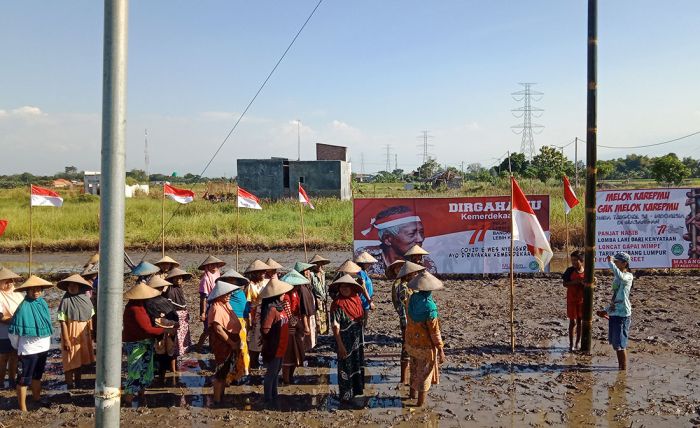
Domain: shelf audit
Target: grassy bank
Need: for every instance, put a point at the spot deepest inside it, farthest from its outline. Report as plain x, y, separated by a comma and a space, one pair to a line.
203, 224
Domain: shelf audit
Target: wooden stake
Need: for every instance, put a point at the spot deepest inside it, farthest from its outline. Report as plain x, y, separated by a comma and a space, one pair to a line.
238, 228
31, 230
566, 227
512, 276
303, 233
162, 224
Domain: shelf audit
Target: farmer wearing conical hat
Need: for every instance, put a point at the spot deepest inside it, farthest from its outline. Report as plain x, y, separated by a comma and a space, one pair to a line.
176, 295
299, 303
162, 313
398, 228
30, 334
255, 272
9, 301
210, 267
318, 286
308, 302
366, 261
275, 333
75, 314
166, 264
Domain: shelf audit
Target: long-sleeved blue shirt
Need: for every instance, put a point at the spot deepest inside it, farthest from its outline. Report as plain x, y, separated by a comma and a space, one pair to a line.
370, 289
621, 286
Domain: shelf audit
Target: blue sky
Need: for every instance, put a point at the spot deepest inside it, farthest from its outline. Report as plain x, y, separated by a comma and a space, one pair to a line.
363, 74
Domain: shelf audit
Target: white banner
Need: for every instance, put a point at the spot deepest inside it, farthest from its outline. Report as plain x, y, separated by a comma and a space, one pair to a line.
649, 225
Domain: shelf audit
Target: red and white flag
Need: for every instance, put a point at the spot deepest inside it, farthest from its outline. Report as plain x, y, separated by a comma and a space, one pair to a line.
248, 200
527, 228
3, 226
45, 198
570, 199
182, 196
304, 198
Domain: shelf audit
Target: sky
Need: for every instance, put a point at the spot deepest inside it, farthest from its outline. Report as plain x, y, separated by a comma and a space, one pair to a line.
363, 73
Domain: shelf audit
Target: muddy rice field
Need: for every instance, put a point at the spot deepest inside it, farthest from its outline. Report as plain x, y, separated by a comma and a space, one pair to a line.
482, 382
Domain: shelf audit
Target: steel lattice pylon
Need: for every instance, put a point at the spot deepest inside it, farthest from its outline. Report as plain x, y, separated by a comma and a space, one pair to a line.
525, 129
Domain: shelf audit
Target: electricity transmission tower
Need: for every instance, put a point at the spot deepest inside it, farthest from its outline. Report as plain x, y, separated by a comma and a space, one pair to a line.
387, 168
425, 146
145, 152
526, 112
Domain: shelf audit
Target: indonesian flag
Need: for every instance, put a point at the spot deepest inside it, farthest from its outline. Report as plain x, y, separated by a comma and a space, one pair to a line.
248, 200
304, 198
45, 198
3, 226
527, 228
182, 196
570, 199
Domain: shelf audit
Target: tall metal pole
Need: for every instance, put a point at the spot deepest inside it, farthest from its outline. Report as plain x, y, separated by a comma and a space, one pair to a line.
31, 232
512, 263
110, 295
576, 162
591, 158
298, 139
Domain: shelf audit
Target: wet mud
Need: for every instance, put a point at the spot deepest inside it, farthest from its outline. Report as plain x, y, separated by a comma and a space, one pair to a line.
482, 383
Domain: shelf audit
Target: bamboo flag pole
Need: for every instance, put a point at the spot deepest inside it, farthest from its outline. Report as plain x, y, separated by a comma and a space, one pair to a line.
303, 232
162, 224
566, 227
512, 275
31, 230
238, 229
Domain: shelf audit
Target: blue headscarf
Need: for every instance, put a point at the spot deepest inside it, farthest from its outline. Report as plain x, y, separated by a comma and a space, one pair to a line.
422, 307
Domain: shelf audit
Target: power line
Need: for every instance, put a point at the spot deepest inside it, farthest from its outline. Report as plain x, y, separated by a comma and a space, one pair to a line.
651, 145
526, 95
425, 146
388, 158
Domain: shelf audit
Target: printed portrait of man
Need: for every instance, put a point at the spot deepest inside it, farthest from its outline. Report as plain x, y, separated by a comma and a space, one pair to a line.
399, 228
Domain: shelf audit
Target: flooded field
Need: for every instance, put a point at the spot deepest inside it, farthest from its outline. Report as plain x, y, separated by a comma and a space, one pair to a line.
482, 383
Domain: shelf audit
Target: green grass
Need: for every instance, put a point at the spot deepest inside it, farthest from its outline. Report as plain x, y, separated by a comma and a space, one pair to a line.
203, 224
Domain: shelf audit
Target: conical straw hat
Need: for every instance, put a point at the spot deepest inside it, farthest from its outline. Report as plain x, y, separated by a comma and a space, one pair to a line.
295, 278
349, 266
166, 259
409, 268
319, 260
416, 250
301, 266
157, 282
220, 289
93, 260
73, 279
275, 287
145, 269
233, 277
346, 280
393, 269
425, 281
273, 264
141, 291
257, 266
90, 270
365, 257
34, 282
6, 273
177, 272
211, 260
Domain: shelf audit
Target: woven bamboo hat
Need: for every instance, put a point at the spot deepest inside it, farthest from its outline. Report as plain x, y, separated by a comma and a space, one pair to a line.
233, 277
425, 281
350, 267
167, 259
158, 282
221, 288
295, 278
92, 270
275, 287
409, 268
365, 257
177, 272
416, 250
6, 273
319, 260
273, 265
257, 266
34, 282
392, 271
141, 291
345, 280
211, 260
73, 279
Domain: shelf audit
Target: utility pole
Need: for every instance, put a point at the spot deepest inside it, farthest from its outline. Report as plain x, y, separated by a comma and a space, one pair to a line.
396, 161
145, 154
526, 112
362, 167
298, 139
591, 158
388, 158
111, 291
576, 162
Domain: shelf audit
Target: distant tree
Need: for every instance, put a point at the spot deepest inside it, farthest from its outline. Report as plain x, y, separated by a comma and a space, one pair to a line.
137, 175
669, 169
518, 163
71, 170
428, 169
693, 166
476, 172
550, 163
605, 169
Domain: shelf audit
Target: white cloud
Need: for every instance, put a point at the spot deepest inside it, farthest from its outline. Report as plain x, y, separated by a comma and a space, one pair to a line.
24, 112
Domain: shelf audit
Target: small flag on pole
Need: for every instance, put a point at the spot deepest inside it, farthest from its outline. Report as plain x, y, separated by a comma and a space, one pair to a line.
3, 226
248, 200
570, 199
527, 228
182, 196
304, 198
42, 197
